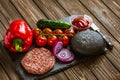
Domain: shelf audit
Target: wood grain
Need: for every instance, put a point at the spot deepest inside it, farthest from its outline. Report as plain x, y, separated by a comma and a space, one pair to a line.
6, 63
102, 68
30, 12
106, 15
1, 38
51, 9
3, 75
80, 72
2, 30
8, 12
113, 5
57, 76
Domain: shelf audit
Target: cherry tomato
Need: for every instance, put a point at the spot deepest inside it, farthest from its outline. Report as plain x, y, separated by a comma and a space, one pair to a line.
41, 40
58, 31
64, 39
69, 31
47, 31
52, 39
36, 32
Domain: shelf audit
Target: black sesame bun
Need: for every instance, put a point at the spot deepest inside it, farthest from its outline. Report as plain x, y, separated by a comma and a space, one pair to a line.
88, 42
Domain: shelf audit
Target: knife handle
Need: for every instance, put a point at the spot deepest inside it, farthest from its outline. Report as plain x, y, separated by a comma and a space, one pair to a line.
109, 45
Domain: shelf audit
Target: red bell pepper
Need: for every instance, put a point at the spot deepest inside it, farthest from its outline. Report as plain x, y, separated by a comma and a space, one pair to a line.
19, 36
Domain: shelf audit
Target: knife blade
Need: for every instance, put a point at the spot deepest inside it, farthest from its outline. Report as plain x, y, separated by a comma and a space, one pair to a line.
109, 45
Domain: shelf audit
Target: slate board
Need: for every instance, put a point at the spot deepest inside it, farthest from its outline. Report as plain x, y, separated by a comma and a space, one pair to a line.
24, 75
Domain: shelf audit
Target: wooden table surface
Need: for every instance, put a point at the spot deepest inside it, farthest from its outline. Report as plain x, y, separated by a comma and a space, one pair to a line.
105, 13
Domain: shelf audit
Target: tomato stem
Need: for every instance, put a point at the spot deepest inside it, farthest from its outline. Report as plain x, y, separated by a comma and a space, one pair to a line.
59, 34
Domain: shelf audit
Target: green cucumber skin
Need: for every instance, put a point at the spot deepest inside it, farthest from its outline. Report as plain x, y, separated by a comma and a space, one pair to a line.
52, 24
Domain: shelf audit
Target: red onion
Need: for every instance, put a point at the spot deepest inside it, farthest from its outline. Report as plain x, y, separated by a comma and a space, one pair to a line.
57, 47
65, 55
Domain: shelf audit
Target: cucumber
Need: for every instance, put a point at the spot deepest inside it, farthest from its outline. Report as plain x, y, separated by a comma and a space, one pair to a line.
42, 23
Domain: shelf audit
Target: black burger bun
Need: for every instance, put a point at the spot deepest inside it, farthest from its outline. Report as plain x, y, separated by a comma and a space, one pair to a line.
88, 42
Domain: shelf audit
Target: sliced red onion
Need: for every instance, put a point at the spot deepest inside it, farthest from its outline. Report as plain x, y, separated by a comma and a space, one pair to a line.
57, 47
71, 58
65, 55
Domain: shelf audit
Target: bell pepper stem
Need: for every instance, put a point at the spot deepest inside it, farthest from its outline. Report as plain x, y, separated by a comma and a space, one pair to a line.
18, 44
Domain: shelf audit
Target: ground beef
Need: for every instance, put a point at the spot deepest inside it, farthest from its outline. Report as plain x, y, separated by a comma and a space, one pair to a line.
38, 61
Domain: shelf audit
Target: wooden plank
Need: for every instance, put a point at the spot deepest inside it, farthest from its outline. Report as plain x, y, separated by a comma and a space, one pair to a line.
73, 9
29, 11
3, 75
80, 72
6, 62
3, 19
2, 30
8, 13
114, 5
51, 9
102, 68
1, 37
58, 76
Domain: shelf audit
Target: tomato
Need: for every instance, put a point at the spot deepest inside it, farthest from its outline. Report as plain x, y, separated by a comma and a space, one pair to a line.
69, 31
47, 31
36, 32
64, 39
58, 31
41, 40
52, 39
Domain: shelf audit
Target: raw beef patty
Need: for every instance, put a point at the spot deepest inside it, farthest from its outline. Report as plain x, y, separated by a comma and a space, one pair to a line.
38, 61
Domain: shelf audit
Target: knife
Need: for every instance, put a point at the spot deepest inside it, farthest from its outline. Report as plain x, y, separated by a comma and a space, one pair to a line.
109, 45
